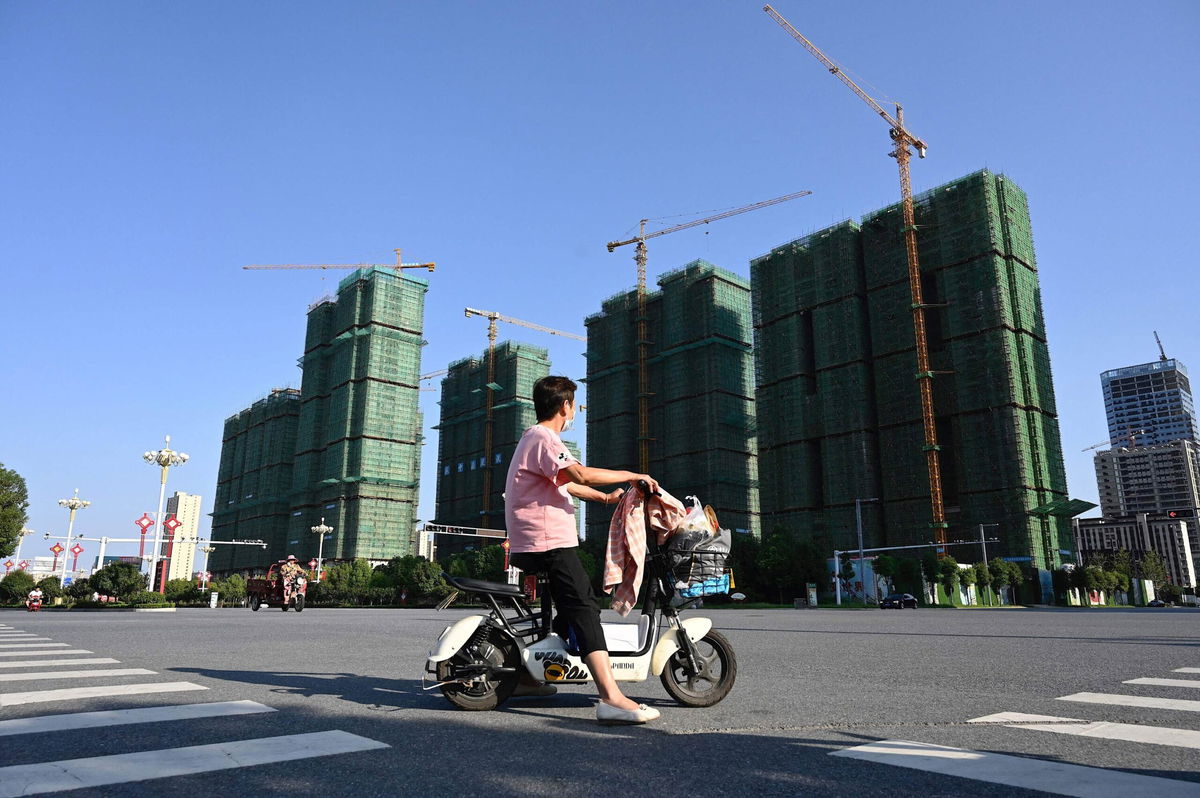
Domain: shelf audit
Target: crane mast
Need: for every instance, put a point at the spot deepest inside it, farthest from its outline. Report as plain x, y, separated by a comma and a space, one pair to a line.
902, 140
489, 398
643, 342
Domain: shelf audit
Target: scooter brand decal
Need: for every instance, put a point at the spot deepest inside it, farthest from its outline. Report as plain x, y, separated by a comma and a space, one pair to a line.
558, 667
624, 666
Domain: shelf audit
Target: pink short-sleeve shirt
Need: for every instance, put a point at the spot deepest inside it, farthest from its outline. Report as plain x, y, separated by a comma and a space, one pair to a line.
538, 511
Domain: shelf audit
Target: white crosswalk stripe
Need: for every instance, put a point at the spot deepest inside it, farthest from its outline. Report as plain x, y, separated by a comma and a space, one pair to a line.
25, 677
100, 771
1187, 670
122, 717
1180, 704
1059, 778
25, 641
1166, 682
1129, 732
31, 663
73, 693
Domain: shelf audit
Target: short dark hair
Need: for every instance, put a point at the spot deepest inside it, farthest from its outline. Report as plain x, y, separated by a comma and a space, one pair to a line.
549, 393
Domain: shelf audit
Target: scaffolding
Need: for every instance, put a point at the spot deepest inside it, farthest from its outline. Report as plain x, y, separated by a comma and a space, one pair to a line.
460, 474
701, 415
836, 364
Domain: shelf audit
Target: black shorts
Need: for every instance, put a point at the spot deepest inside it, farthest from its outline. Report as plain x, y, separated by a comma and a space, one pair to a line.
574, 599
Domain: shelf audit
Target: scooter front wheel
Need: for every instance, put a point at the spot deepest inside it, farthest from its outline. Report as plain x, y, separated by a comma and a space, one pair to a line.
491, 650
718, 671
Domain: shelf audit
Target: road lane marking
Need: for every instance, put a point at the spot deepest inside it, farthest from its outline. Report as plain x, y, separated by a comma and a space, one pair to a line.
1016, 771
99, 771
1165, 682
44, 653
1133, 701
23, 677
30, 644
1187, 670
1129, 732
77, 661
122, 717
25, 640
71, 693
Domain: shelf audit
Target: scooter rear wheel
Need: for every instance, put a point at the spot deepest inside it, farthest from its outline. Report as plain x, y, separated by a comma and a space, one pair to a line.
718, 671
300, 603
493, 649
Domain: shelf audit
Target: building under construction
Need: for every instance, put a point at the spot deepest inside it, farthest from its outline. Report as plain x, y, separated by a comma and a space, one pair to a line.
462, 463
701, 385
839, 412
254, 481
355, 459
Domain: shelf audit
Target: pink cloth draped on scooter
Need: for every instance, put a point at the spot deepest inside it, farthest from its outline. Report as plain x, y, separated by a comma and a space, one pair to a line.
625, 556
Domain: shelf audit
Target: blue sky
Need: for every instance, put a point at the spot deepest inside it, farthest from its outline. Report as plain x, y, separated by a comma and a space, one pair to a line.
152, 149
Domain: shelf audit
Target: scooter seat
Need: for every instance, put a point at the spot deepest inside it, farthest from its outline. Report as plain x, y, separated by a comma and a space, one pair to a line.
480, 586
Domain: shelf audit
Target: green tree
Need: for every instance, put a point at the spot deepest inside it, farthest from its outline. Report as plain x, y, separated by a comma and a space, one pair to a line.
948, 576
14, 501
348, 581
119, 579
80, 589
745, 560
51, 588
230, 590
15, 587
886, 567
426, 582
1154, 568
983, 577
908, 577
488, 564
1003, 573
180, 590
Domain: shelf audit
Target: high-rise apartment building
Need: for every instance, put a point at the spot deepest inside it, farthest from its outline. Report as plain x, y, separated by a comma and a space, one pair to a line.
701, 403
254, 481
1149, 404
355, 427
182, 549
463, 469
1157, 479
839, 411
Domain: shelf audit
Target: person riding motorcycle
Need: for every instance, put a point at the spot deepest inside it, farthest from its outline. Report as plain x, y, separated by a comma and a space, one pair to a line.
35, 595
289, 572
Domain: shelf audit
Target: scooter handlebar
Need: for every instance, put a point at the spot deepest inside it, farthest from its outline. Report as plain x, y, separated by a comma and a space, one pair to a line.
644, 487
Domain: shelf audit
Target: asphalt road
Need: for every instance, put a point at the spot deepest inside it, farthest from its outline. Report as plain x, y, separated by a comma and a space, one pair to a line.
810, 683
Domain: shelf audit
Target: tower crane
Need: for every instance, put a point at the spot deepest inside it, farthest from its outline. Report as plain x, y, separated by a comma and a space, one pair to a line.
1162, 353
902, 139
397, 266
1113, 441
493, 317
432, 376
643, 344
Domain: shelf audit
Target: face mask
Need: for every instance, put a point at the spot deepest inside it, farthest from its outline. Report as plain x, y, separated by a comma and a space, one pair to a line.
569, 423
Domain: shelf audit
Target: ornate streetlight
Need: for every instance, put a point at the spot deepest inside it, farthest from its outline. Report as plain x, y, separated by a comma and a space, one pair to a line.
21, 541
207, 551
74, 504
321, 530
164, 458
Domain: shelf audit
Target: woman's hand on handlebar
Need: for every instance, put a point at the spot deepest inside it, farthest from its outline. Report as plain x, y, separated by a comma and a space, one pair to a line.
651, 482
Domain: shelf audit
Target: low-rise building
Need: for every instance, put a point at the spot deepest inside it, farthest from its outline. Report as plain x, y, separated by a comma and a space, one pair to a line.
1138, 534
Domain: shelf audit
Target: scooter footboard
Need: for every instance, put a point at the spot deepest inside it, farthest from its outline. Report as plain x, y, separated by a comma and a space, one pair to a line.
668, 644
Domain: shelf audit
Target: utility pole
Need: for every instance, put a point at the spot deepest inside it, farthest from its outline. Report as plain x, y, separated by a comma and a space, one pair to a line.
862, 565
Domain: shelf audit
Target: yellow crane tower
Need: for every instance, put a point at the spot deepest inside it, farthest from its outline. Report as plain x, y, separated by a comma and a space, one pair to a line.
643, 343
493, 317
397, 266
902, 139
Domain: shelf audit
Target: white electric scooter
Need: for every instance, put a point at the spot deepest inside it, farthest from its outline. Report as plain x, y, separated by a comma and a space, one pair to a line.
478, 660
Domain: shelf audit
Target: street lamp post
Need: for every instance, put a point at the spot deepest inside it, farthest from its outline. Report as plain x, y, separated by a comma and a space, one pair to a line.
74, 504
207, 551
321, 530
862, 565
983, 546
164, 458
21, 542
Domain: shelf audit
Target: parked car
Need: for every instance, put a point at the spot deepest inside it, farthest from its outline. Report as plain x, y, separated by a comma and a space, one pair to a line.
898, 601
1157, 603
